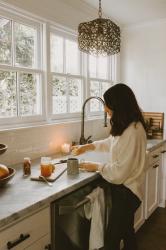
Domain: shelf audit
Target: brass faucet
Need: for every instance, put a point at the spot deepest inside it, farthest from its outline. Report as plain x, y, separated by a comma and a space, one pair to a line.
82, 138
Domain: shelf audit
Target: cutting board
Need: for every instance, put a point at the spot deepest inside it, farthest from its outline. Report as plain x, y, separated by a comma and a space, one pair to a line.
59, 170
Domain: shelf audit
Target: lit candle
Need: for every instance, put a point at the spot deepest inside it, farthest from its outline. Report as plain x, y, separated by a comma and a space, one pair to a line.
65, 148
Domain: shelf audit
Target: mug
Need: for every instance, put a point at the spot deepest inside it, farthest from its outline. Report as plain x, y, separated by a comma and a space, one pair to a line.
72, 166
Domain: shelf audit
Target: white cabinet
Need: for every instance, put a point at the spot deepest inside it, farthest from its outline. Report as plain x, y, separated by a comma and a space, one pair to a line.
32, 233
153, 175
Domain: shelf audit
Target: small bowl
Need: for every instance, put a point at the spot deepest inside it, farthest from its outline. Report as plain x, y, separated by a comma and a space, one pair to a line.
3, 148
6, 179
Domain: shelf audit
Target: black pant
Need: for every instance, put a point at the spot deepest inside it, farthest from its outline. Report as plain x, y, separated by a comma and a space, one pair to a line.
121, 224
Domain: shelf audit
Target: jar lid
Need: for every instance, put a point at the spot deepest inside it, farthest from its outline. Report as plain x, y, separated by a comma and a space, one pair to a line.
27, 158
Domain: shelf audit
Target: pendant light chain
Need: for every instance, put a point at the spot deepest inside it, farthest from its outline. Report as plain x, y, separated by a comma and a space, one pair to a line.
100, 9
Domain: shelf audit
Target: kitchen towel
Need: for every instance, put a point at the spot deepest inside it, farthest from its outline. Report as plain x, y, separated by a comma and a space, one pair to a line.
95, 210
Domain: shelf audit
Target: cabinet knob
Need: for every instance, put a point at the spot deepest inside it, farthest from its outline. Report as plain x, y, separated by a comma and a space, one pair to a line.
163, 151
155, 166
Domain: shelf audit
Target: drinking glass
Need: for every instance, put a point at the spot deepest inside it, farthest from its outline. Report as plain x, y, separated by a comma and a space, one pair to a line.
46, 166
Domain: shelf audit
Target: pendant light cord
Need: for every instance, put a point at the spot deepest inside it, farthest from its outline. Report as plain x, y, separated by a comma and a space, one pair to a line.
100, 9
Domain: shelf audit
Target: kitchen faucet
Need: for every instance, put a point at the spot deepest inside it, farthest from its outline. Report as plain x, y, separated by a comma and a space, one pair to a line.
82, 138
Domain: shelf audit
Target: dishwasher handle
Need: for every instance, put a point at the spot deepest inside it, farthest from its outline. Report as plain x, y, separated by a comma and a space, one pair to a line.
65, 209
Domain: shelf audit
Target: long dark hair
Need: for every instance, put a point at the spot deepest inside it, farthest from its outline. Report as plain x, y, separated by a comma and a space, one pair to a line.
122, 101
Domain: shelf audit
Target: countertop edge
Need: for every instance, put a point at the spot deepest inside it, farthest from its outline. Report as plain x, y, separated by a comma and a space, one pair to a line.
155, 146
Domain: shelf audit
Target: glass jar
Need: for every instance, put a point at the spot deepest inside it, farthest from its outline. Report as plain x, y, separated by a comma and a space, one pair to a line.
46, 166
27, 166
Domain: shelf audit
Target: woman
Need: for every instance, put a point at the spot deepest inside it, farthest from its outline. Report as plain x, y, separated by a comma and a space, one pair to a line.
125, 169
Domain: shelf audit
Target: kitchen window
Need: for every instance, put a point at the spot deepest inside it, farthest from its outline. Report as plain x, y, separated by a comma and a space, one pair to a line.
66, 79
100, 78
20, 70
43, 75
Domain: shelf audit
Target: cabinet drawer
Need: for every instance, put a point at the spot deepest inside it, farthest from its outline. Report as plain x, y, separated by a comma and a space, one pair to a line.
40, 244
154, 156
32, 228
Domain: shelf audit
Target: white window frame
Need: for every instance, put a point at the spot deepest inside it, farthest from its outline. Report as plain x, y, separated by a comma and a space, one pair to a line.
72, 37
38, 26
111, 78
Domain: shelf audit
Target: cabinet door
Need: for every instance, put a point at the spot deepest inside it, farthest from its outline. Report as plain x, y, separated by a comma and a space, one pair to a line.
151, 199
162, 177
140, 213
139, 217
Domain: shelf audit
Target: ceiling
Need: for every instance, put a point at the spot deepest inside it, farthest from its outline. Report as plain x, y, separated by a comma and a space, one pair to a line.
128, 12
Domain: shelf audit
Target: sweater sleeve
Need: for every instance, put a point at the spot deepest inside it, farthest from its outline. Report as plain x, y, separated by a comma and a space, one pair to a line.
128, 159
103, 145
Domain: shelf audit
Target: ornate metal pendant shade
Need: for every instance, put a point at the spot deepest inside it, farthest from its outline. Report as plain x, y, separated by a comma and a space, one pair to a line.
99, 37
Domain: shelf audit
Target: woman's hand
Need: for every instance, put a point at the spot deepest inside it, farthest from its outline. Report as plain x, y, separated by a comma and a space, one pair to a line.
78, 150
81, 149
89, 166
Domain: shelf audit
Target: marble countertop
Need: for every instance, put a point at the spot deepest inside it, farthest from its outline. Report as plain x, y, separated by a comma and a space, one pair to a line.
22, 196
154, 143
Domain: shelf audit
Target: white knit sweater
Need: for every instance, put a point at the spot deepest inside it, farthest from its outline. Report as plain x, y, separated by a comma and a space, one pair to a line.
127, 158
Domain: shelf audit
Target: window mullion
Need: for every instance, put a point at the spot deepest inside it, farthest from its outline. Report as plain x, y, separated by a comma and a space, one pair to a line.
64, 71
100, 93
111, 69
18, 93
97, 67
108, 68
64, 55
87, 94
67, 94
13, 45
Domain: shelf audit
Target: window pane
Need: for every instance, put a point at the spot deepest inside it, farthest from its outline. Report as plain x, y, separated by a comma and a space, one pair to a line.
92, 66
72, 58
56, 48
8, 105
94, 91
29, 94
59, 97
104, 87
25, 41
75, 95
5, 41
102, 67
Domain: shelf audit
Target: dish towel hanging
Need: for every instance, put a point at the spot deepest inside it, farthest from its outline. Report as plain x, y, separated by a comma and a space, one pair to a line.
95, 210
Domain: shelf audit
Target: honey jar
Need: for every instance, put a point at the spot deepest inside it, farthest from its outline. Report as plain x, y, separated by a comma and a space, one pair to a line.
26, 166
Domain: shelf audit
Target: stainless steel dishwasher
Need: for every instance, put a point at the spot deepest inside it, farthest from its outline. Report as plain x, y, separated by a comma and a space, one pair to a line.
69, 227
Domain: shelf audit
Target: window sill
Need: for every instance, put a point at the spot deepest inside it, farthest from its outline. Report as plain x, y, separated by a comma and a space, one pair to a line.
23, 126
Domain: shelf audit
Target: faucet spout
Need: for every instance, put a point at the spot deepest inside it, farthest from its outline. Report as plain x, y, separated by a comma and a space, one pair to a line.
82, 138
